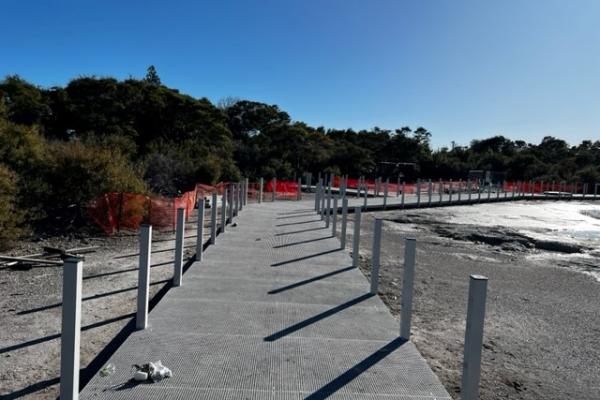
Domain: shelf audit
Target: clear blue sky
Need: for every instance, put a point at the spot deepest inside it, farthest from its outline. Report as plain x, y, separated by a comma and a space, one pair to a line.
462, 69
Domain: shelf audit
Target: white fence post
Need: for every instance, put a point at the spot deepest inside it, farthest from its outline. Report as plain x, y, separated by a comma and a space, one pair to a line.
375, 255
224, 210
344, 222
356, 238
408, 280
261, 186
440, 190
246, 187
474, 337
317, 194
299, 194
141, 319
71, 328
328, 209
213, 218
230, 204
200, 231
418, 192
334, 216
385, 192
366, 193
429, 191
179, 234
274, 194
403, 191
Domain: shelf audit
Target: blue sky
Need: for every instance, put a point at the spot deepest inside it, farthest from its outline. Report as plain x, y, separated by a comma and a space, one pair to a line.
462, 69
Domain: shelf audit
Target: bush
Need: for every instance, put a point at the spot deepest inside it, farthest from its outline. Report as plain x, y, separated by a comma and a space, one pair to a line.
11, 217
78, 173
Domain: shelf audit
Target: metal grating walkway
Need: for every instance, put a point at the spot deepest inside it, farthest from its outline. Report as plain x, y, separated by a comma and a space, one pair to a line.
274, 311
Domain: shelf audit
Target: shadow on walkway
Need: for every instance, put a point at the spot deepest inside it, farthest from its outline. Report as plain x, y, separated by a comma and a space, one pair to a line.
278, 264
301, 242
352, 373
303, 324
307, 281
302, 231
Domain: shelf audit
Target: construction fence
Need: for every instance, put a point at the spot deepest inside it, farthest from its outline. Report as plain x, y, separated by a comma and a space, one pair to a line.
115, 211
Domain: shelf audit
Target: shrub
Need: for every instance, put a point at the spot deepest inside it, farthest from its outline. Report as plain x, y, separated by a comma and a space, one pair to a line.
11, 217
78, 173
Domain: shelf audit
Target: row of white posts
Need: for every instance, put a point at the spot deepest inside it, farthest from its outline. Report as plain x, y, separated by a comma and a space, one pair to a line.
234, 198
477, 285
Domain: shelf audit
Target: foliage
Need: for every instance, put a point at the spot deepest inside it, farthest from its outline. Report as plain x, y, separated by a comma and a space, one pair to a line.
11, 217
66, 145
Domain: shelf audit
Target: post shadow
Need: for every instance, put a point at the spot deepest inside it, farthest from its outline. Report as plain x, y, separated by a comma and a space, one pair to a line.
301, 242
353, 372
299, 223
303, 324
301, 231
310, 280
293, 260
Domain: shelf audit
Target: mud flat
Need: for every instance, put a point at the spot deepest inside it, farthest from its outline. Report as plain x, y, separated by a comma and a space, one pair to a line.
542, 332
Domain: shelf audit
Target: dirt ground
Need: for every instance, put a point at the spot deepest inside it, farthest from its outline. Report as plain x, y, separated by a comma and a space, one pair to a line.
542, 329
542, 332
30, 306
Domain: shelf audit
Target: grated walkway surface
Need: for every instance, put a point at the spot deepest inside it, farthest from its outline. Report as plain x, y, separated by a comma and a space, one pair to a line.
274, 311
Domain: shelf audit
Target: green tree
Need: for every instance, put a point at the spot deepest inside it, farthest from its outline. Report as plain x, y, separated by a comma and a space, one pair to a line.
152, 76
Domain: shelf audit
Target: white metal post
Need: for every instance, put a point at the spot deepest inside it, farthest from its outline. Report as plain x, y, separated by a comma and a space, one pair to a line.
224, 210
334, 216
366, 193
418, 192
328, 209
460, 189
408, 280
385, 192
430, 191
141, 319
375, 255
317, 194
213, 218
230, 204
179, 233
274, 194
469, 188
299, 194
450, 189
344, 222
356, 238
261, 186
241, 195
71, 328
236, 198
246, 187
200, 231
403, 191
474, 337
441, 190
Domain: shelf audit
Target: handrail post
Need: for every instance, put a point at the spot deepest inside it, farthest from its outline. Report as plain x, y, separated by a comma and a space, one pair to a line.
261, 186
334, 216
200, 231
179, 234
274, 194
71, 328
224, 209
356, 238
213, 218
344, 222
141, 319
385, 192
408, 280
418, 192
375, 255
299, 194
328, 209
474, 337
403, 191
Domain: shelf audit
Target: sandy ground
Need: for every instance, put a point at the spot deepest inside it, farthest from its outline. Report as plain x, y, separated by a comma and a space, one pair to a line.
30, 306
542, 330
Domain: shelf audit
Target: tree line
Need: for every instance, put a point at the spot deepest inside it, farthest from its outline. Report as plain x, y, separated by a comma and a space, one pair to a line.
60, 147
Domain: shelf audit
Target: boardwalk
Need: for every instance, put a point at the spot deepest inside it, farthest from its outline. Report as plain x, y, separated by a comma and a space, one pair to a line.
274, 311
